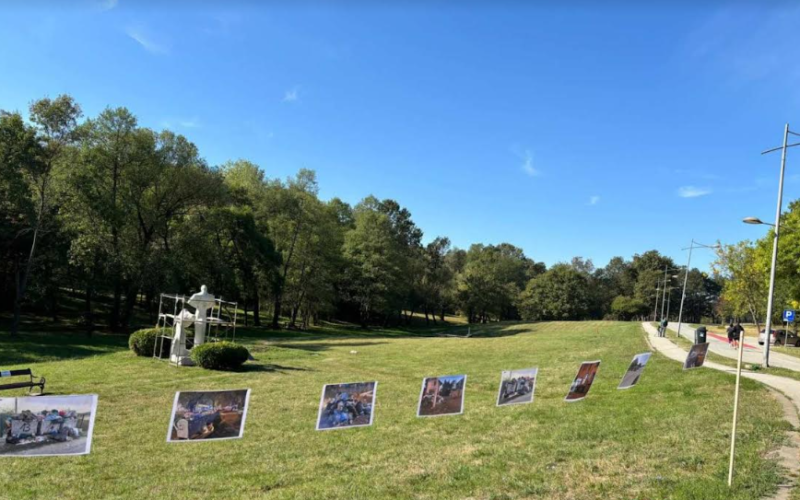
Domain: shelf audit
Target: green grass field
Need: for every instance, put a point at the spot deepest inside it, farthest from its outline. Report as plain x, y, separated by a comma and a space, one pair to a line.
661, 439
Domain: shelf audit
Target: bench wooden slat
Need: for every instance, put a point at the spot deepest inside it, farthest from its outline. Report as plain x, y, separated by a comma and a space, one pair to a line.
15, 373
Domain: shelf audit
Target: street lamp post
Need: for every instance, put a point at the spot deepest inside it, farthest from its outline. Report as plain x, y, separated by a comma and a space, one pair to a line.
669, 294
777, 226
664, 296
691, 247
655, 309
768, 325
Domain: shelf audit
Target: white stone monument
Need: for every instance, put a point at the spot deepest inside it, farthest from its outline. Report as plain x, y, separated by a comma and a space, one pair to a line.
178, 353
202, 302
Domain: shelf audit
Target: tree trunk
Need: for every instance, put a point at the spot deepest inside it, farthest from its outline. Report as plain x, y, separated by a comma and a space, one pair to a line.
257, 310
88, 319
245, 313
116, 306
22, 284
130, 302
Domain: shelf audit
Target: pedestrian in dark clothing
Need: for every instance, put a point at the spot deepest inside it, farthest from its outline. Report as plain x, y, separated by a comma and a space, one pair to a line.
731, 329
738, 332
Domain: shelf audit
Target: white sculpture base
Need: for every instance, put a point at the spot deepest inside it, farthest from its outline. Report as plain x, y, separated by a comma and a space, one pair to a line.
181, 360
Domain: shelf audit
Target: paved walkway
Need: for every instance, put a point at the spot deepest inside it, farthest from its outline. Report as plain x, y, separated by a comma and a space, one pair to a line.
789, 387
788, 395
718, 344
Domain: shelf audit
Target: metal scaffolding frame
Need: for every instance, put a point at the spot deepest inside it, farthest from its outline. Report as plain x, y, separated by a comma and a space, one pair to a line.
221, 323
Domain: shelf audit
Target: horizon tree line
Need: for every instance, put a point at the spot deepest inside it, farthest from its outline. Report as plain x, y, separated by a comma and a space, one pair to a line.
107, 214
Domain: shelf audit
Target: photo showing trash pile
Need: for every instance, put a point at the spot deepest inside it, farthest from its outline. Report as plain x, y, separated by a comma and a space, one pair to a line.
208, 415
46, 425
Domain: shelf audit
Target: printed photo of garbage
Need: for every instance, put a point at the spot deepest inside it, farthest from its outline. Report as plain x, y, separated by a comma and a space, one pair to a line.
517, 386
208, 415
47, 425
346, 405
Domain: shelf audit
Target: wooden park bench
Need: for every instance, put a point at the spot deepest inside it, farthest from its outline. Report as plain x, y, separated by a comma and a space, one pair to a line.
30, 384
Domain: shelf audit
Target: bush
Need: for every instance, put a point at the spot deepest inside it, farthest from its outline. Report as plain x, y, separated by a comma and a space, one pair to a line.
143, 342
220, 355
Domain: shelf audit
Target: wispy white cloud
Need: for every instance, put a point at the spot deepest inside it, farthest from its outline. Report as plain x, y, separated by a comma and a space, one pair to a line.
291, 95
594, 200
191, 123
692, 191
145, 40
527, 164
107, 4
182, 123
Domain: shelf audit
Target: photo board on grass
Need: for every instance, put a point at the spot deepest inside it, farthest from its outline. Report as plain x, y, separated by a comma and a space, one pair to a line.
47, 425
208, 415
696, 356
583, 381
347, 405
635, 370
442, 396
517, 386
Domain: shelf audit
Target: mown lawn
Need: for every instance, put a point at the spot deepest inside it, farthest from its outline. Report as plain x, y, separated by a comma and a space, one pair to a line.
661, 439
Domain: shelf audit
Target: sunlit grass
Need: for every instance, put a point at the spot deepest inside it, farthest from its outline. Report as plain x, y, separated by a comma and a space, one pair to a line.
660, 439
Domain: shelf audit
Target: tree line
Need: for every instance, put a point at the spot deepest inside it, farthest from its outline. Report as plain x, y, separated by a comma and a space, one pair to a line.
743, 270
103, 210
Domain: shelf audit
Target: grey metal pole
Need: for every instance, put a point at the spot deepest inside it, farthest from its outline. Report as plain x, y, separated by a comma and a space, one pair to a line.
685, 280
664, 295
669, 299
768, 326
655, 309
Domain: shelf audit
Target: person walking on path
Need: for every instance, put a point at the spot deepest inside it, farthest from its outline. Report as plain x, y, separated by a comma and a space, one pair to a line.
738, 333
731, 330
664, 324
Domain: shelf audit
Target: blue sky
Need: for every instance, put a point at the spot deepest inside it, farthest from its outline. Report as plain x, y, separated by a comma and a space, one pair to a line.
591, 132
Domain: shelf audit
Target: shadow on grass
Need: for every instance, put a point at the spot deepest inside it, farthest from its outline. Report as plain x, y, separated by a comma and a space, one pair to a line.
343, 331
318, 346
270, 368
37, 347
42, 340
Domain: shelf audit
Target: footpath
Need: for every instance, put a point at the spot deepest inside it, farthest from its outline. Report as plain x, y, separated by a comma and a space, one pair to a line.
786, 390
718, 344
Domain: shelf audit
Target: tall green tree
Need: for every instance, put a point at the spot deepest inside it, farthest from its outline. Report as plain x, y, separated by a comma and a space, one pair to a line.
19, 151
561, 293
56, 123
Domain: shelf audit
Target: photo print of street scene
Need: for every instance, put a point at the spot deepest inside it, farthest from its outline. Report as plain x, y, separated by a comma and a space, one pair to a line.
47, 425
208, 415
583, 381
346, 405
696, 356
442, 396
635, 370
517, 386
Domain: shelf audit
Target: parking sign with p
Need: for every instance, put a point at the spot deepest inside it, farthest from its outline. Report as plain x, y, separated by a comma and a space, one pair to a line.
788, 315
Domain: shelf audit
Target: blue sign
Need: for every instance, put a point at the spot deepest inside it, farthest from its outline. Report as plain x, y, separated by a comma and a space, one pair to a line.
788, 315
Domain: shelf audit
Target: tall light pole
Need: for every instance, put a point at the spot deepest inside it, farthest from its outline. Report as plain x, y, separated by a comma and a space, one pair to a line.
754, 220
669, 294
664, 296
655, 309
686, 277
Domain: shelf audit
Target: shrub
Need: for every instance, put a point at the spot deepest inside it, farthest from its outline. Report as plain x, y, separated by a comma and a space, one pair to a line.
220, 355
143, 342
